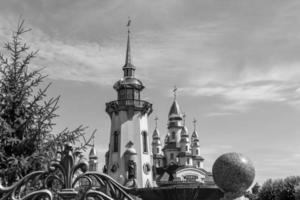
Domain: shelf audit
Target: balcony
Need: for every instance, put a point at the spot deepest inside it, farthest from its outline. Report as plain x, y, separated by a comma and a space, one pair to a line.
136, 105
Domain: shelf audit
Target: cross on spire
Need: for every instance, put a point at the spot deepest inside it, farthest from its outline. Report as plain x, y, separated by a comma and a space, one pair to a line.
194, 122
174, 91
156, 119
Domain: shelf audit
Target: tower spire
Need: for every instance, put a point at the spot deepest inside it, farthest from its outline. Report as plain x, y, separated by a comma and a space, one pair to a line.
128, 53
128, 68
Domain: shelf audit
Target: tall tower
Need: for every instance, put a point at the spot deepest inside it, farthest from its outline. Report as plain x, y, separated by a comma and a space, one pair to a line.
129, 149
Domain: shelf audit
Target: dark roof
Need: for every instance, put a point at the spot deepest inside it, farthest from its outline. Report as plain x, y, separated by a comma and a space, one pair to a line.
175, 111
128, 82
171, 145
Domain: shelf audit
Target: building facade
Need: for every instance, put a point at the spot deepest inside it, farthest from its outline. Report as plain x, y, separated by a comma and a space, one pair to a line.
178, 160
129, 155
131, 159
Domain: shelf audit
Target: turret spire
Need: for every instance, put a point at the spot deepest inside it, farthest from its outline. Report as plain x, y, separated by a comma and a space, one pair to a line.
128, 68
128, 53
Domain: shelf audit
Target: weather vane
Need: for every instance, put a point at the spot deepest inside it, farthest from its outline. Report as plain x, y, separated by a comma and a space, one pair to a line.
174, 91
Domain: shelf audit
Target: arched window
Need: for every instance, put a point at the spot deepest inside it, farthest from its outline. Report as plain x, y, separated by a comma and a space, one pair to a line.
116, 141
188, 161
197, 152
171, 156
157, 150
186, 148
145, 144
173, 135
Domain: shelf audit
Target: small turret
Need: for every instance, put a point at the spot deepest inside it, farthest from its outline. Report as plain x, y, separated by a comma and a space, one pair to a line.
156, 143
93, 159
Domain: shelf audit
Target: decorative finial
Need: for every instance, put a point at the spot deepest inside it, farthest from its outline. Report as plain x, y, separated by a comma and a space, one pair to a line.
183, 116
174, 91
156, 119
128, 24
194, 122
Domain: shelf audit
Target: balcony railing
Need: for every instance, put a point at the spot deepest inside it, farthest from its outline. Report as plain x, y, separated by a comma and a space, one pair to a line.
115, 106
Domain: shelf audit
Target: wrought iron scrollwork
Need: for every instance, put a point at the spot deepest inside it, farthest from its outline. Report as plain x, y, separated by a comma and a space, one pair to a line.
66, 178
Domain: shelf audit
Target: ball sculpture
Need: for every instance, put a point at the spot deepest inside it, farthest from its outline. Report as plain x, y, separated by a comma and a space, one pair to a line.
233, 172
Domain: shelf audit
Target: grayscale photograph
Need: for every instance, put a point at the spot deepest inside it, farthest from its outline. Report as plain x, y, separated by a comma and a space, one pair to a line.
149, 100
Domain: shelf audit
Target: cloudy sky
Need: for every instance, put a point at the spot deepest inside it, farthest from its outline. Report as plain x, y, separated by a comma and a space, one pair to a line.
236, 64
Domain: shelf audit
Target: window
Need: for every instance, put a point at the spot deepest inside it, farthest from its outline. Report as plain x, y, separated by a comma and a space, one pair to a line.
129, 93
171, 156
186, 148
173, 135
122, 94
188, 161
198, 163
145, 144
158, 163
197, 152
157, 150
116, 141
136, 94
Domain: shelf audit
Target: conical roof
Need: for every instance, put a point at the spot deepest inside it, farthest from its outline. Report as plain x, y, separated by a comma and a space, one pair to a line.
184, 131
155, 133
194, 135
93, 152
175, 111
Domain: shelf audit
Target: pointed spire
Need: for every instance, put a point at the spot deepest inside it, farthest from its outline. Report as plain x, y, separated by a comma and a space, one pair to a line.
128, 53
128, 68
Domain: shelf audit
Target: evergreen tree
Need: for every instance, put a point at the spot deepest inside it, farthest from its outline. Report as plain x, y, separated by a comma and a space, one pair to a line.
26, 114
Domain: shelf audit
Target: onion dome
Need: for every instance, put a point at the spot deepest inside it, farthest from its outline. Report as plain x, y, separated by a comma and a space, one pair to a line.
93, 153
175, 112
130, 150
184, 135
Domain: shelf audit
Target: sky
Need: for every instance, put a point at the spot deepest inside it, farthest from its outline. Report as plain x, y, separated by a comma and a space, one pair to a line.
235, 64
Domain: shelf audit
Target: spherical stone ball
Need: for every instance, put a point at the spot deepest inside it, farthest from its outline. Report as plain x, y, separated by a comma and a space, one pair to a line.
233, 172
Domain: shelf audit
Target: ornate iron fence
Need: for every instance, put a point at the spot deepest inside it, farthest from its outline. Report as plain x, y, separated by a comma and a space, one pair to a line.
66, 178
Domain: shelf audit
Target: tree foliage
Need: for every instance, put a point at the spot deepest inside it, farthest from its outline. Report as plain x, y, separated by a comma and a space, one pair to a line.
26, 114
280, 189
